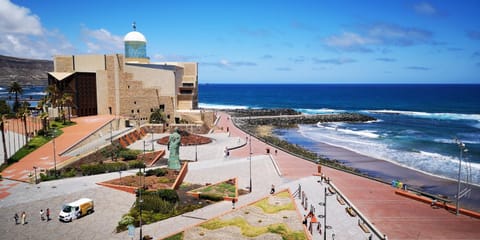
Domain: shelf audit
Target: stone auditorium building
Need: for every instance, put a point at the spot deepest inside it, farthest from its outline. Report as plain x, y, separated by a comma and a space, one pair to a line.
128, 85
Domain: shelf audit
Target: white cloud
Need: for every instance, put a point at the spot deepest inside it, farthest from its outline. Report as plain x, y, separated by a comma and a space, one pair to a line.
376, 35
350, 42
425, 9
22, 34
18, 20
335, 61
101, 41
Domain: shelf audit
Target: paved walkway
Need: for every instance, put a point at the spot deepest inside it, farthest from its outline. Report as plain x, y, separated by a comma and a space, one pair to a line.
397, 217
43, 158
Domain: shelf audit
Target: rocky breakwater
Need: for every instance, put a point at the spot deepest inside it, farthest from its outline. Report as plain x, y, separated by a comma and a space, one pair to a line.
294, 120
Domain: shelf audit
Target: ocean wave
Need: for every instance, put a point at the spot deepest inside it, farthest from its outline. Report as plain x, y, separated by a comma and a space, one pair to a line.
362, 133
452, 141
37, 94
220, 106
430, 163
441, 116
319, 111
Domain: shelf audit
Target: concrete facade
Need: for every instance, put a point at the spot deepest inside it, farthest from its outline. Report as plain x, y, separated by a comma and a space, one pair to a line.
132, 90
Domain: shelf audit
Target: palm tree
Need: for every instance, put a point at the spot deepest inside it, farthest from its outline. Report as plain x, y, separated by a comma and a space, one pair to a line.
17, 89
2, 129
67, 99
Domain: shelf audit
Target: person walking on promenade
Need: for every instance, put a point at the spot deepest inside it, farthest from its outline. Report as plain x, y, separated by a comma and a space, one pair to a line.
48, 214
23, 218
233, 203
42, 215
272, 190
16, 218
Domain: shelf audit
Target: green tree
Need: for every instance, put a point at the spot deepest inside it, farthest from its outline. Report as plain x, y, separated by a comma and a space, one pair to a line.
66, 101
4, 143
17, 89
157, 116
4, 108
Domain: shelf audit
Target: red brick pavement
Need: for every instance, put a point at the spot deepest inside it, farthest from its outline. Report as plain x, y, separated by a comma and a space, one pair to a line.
42, 158
396, 216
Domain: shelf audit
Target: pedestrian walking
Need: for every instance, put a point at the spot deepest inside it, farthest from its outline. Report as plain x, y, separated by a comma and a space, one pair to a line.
23, 218
233, 203
276, 152
48, 214
305, 221
272, 190
42, 215
16, 218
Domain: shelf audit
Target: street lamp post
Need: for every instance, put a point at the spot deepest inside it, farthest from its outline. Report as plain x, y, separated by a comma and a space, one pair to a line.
250, 162
54, 154
462, 147
35, 170
151, 130
196, 144
324, 216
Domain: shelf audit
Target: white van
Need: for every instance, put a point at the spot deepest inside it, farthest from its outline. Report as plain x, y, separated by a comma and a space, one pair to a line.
76, 209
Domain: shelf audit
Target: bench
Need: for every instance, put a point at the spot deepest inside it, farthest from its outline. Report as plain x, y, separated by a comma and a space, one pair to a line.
340, 200
331, 190
350, 211
363, 226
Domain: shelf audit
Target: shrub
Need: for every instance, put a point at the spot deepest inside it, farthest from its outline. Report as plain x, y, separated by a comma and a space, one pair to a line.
92, 169
168, 195
156, 204
211, 196
136, 164
157, 172
69, 173
129, 154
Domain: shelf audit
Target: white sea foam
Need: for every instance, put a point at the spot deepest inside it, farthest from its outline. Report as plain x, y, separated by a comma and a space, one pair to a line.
362, 133
452, 141
427, 162
442, 116
319, 111
220, 106
38, 93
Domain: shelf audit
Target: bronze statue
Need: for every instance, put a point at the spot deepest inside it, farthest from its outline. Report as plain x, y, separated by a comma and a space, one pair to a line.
174, 147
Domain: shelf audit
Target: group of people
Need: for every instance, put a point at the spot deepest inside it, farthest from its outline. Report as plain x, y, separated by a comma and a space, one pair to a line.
313, 220
22, 219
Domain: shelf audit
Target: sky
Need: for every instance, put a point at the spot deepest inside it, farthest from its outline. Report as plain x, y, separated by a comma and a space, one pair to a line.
246, 41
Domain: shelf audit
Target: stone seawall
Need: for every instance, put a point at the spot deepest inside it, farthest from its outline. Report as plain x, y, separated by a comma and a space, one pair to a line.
292, 120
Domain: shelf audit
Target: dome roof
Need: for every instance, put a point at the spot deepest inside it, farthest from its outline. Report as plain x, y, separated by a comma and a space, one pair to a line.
134, 36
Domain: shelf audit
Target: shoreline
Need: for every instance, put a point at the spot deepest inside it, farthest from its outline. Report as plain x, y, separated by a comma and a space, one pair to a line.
387, 171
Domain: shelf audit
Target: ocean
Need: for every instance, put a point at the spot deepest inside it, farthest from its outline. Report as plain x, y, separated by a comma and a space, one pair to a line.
415, 128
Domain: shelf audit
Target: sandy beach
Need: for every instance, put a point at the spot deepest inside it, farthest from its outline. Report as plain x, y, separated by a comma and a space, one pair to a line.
387, 171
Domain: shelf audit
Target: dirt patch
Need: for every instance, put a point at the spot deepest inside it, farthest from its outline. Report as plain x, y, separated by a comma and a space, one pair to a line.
151, 183
188, 139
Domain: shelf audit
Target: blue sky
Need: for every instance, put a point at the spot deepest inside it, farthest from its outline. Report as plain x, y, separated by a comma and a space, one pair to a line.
263, 41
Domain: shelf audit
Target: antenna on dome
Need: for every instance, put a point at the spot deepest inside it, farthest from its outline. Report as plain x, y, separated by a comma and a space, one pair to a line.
134, 25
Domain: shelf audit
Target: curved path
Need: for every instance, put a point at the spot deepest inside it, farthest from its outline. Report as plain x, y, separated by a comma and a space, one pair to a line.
43, 158
396, 216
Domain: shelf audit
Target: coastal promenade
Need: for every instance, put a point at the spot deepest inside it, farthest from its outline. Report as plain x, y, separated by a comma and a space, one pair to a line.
396, 216
43, 158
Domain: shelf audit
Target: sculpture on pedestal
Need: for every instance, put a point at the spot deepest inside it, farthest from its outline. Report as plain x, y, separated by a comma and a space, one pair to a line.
174, 147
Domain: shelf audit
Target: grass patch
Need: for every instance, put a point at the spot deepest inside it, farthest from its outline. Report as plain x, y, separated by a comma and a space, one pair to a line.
222, 189
269, 208
248, 230
178, 236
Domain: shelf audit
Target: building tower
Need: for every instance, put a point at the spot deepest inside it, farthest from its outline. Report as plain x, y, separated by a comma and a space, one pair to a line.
135, 47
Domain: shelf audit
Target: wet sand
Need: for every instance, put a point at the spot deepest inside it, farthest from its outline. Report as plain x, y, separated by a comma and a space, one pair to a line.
387, 171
